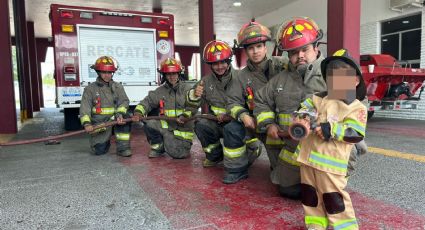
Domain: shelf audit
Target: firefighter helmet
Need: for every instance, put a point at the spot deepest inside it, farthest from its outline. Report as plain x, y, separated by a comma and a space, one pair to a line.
216, 51
253, 32
105, 63
345, 56
170, 65
298, 32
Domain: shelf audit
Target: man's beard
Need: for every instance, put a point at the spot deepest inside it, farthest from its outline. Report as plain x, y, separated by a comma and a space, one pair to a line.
301, 69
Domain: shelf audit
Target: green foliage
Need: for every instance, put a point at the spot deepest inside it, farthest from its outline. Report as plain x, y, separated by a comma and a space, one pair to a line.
15, 64
48, 79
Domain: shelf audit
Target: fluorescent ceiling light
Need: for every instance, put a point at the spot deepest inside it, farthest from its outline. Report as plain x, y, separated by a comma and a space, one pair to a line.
190, 27
237, 4
405, 22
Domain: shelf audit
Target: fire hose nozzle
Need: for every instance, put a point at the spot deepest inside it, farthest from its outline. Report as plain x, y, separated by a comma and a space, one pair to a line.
301, 128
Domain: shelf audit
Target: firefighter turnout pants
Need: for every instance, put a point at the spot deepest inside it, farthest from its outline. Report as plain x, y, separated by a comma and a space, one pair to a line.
241, 147
175, 143
209, 133
325, 201
100, 141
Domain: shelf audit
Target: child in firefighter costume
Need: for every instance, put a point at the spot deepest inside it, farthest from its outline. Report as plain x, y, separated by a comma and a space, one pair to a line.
324, 153
105, 100
211, 91
171, 137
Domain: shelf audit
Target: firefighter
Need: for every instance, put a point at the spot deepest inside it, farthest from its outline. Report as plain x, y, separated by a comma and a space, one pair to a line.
241, 145
283, 95
171, 137
324, 154
105, 100
210, 91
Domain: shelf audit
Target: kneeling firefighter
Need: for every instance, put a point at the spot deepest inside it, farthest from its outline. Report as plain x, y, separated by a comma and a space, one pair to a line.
105, 100
171, 137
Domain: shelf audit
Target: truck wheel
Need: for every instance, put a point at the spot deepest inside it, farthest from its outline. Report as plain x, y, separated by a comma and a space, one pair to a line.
370, 114
72, 122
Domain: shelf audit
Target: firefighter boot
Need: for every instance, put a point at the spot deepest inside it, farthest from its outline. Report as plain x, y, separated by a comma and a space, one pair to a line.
125, 153
292, 192
233, 177
209, 163
157, 150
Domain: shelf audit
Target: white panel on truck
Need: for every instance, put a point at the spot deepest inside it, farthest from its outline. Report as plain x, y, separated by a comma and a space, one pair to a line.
133, 48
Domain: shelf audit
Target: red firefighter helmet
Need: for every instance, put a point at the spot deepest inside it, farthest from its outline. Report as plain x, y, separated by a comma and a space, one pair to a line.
253, 32
105, 63
216, 51
298, 32
170, 65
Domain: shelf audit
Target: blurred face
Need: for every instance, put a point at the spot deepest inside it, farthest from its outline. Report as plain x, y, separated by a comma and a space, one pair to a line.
256, 52
303, 56
172, 78
342, 83
219, 68
106, 75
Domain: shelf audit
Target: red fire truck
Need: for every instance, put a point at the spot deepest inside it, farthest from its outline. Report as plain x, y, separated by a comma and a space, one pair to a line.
389, 85
139, 41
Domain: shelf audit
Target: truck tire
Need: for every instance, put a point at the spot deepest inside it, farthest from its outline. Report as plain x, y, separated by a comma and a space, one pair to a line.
370, 114
72, 122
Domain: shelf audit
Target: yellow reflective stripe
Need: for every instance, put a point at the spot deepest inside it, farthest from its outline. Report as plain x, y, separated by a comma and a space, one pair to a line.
141, 109
252, 140
307, 104
356, 125
263, 116
156, 146
317, 220
104, 111
338, 131
287, 156
122, 136
188, 113
234, 153
164, 124
184, 135
122, 109
210, 147
235, 111
272, 141
327, 161
346, 224
85, 118
173, 112
285, 119
218, 110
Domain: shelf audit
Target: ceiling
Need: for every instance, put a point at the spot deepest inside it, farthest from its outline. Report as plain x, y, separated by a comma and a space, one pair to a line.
227, 18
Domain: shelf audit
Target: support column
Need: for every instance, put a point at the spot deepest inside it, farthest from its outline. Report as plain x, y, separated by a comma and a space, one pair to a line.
22, 58
8, 123
186, 53
35, 79
344, 26
206, 28
42, 44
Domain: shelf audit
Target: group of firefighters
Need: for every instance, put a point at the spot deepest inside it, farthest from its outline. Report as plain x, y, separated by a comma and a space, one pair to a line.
254, 109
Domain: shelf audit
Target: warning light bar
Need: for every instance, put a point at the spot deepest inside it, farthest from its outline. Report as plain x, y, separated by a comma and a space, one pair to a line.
163, 21
66, 14
116, 14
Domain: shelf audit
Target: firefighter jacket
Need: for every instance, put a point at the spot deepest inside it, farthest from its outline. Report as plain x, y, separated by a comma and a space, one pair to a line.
170, 101
342, 123
101, 101
243, 87
312, 79
276, 102
214, 94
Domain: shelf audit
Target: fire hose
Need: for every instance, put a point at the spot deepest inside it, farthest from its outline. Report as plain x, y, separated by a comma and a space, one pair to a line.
108, 124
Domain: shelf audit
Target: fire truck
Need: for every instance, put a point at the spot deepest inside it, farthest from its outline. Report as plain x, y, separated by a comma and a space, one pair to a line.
139, 41
390, 86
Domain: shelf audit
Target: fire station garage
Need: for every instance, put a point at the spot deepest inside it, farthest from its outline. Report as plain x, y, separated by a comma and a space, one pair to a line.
52, 177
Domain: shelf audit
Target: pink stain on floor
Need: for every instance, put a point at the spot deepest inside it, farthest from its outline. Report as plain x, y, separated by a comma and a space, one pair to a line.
191, 196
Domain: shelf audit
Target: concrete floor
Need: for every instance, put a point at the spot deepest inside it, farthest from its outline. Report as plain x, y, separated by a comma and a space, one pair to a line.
64, 187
